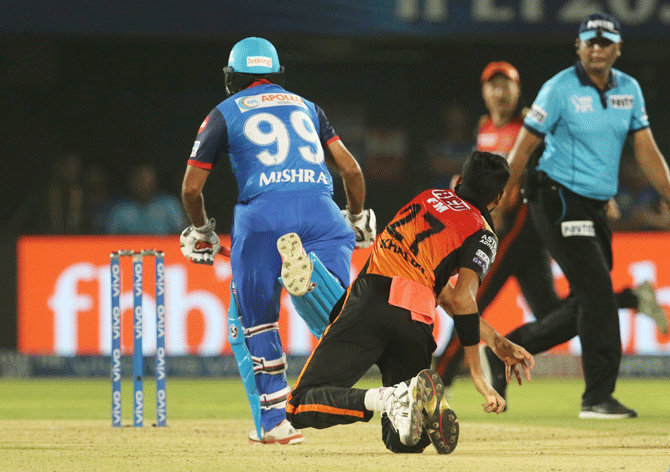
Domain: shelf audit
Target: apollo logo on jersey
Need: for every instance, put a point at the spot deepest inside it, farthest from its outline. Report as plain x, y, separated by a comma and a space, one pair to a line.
265, 100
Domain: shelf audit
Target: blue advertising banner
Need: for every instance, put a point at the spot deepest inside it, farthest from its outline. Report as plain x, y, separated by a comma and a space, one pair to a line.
361, 18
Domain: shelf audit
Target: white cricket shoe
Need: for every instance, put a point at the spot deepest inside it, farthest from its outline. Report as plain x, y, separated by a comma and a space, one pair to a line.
283, 434
296, 267
403, 408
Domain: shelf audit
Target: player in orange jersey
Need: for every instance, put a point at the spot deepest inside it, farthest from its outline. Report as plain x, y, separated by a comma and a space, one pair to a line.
386, 319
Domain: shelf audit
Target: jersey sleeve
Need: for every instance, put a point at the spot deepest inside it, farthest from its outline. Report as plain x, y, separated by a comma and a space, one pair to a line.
639, 120
545, 111
479, 252
211, 141
326, 132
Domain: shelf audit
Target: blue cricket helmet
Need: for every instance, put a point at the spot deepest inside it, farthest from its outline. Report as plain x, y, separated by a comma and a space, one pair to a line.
252, 59
254, 56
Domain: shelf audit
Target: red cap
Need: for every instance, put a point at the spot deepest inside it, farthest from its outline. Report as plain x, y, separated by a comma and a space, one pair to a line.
502, 67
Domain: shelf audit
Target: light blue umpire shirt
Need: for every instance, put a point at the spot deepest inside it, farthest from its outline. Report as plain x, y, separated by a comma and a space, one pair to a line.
584, 129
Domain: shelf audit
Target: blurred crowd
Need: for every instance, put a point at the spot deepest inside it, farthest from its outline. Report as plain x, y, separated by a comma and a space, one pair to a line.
81, 199
78, 199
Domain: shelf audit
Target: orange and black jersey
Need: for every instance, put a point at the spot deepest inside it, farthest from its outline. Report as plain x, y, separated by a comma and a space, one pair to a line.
498, 140
433, 236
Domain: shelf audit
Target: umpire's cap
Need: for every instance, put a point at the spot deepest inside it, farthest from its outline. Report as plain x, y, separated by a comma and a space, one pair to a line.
254, 56
502, 67
601, 25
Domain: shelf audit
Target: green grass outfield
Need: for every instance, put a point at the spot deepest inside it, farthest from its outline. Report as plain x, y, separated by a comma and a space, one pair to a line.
64, 424
535, 402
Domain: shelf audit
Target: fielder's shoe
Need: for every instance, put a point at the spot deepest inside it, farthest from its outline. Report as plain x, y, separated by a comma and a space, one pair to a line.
609, 409
494, 371
296, 267
283, 433
648, 305
403, 408
439, 420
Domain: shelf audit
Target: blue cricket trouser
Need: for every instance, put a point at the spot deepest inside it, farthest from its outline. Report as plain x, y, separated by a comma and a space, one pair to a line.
256, 267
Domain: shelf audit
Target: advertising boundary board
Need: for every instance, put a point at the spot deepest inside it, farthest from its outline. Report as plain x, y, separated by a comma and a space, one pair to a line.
64, 299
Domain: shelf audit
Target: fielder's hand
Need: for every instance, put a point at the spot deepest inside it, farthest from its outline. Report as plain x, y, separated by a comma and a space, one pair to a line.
513, 356
200, 245
364, 225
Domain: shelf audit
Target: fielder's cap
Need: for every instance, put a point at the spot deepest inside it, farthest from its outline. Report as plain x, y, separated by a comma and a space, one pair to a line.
601, 25
502, 67
254, 56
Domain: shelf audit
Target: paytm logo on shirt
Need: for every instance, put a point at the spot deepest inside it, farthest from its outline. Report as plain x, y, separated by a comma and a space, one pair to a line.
582, 104
621, 102
537, 114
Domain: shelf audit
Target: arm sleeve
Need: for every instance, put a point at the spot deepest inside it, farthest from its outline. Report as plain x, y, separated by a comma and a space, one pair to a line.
478, 252
211, 141
545, 111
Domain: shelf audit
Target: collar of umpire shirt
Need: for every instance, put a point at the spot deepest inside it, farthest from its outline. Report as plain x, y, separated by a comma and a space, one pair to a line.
585, 80
465, 195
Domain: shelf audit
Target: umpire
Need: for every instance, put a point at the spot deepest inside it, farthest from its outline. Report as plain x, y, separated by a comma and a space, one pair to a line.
584, 115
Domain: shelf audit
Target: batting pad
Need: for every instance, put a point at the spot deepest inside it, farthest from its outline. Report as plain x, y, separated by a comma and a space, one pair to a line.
244, 361
315, 306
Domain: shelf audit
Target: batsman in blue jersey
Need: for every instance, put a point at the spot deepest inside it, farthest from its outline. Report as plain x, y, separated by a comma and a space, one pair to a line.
279, 145
584, 115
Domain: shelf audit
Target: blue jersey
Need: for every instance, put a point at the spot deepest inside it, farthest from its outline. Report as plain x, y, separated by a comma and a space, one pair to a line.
585, 129
274, 140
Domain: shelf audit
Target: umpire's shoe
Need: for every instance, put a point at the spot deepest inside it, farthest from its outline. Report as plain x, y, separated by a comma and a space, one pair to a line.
439, 420
494, 371
609, 409
296, 268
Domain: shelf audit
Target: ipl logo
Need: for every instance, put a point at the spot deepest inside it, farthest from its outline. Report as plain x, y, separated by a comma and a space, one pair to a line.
582, 104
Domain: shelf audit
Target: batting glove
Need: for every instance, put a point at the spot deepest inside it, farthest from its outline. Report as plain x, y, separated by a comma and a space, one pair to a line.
200, 245
364, 225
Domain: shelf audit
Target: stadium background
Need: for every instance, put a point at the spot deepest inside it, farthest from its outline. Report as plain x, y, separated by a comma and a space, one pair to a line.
133, 81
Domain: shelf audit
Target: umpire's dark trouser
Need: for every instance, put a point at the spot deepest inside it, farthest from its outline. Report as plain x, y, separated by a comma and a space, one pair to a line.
586, 261
524, 257
366, 331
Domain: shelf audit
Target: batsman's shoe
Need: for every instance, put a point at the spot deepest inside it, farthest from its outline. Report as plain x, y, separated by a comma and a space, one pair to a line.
403, 408
647, 304
494, 371
609, 409
283, 434
296, 267
439, 420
